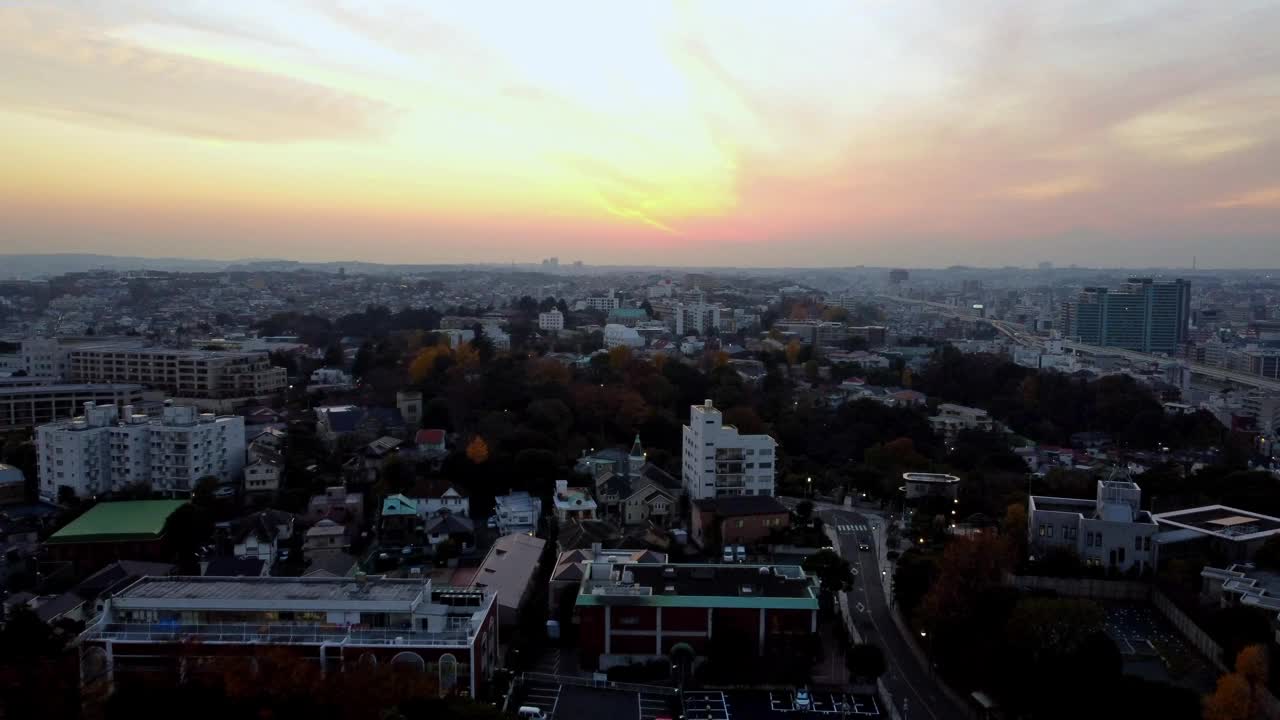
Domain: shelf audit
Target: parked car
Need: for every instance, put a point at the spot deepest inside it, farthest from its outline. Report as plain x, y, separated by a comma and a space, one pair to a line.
493, 522
224, 492
528, 712
802, 700
742, 553
728, 554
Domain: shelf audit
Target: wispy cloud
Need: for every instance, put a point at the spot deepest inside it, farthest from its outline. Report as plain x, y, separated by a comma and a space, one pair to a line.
1268, 198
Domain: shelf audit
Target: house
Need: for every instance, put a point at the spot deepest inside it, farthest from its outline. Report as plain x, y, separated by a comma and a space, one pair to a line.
338, 505
443, 525
573, 503
508, 570
518, 512
398, 523
264, 474
571, 568
326, 535
737, 519
439, 494
636, 612
271, 438
1110, 530
261, 415
652, 497
330, 564
952, 419
329, 377
334, 422
430, 442
260, 536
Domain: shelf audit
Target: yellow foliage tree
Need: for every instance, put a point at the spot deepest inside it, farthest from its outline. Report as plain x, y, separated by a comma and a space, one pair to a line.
424, 363
793, 352
659, 361
721, 359
477, 450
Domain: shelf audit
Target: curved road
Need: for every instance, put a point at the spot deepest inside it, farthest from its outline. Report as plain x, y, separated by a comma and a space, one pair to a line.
906, 679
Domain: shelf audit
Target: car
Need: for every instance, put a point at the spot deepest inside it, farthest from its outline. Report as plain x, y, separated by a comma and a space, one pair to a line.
224, 492
728, 554
802, 700
284, 554
864, 546
493, 522
407, 550
742, 553
528, 712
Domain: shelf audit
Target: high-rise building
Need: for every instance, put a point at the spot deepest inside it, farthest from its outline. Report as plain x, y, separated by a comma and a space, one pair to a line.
718, 461
105, 450
1144, 315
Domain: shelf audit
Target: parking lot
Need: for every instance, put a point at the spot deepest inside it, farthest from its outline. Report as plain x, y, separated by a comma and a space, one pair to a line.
569, 700
747, 705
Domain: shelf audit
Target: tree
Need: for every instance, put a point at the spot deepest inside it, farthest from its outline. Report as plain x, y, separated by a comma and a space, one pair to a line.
1231, 700
833, 572
793, 352
1268, 556
334, 356
804, 511
478, 450
865, 662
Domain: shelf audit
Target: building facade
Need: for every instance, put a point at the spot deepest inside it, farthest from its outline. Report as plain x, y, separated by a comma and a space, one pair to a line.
28, 402
1109, 531
551, 320
1143, 315
719, 461
104, 450
177, 623
179, 373
633, 612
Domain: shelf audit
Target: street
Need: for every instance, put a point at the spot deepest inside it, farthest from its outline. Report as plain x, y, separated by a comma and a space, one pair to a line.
905, 679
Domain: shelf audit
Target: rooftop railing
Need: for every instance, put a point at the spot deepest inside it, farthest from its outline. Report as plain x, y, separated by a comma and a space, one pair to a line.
273, 634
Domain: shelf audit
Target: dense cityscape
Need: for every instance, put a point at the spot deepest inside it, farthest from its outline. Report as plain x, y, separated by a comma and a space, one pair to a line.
560, 490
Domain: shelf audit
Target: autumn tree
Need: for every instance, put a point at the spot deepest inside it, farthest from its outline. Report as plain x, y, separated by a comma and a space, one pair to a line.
619, 357
477, 450
793, 352
1238, 695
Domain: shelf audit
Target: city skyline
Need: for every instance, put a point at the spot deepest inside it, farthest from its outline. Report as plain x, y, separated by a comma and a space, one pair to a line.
697, 134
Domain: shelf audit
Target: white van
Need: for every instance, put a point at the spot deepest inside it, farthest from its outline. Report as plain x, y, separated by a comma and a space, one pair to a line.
528, 712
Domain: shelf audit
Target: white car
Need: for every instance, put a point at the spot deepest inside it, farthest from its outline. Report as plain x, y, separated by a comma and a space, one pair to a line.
728, 554
742, 553
802, 700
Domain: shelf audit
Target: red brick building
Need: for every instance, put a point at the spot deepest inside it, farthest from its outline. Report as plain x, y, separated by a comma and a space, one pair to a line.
633, 612
737, 519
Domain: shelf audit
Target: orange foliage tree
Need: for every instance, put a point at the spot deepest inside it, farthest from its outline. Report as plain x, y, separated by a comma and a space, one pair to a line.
477, 450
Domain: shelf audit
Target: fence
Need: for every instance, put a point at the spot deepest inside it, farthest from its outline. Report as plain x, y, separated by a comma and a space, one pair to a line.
1081, 587
1199, 639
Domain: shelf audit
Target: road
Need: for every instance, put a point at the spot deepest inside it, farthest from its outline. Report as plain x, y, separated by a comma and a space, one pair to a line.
906, 678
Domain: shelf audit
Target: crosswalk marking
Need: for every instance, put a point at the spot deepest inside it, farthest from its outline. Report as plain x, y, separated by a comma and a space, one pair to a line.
852, 528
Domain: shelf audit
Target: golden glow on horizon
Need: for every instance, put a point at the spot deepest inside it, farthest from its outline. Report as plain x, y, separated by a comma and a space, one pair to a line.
636, 132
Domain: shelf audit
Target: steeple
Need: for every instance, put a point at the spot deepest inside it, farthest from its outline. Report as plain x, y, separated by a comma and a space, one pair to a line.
636, 458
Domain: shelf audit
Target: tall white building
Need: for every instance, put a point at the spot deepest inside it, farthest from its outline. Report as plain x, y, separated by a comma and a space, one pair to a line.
552, 319
718, 461
103, 451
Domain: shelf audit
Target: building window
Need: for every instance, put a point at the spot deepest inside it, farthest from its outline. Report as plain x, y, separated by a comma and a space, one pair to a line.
1088, 539
1041, 530
766, 466
1049, 530
739, 523
1146, 543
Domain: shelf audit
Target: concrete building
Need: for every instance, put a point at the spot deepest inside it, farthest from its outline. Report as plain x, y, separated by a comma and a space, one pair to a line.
603, 303
718, 461
508, 570
552, 320
1222, 531
573, 503
104, 451
211, 374
930, 485
1144, 315
571, 567
518, 512
161, 623
1109, 531
263, 475
111, 531
634, 612
616, 335
951, 419
28, 402
329, 377
409, 403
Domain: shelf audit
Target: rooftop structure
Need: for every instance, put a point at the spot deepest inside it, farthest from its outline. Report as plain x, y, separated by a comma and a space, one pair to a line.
508, 570
687, 585
1111, 530
920, 485
1222, 522
27, 402
118, 522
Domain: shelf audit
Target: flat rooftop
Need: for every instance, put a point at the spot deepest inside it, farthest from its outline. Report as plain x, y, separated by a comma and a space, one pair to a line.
119, 522
702, 585
268, 592
64, 388
1081, 506
118, 346
930, 478
1223, 522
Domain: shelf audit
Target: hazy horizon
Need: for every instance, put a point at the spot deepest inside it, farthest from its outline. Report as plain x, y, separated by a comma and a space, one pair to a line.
988, 134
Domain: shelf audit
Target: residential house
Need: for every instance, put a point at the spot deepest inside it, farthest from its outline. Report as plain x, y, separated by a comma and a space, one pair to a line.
326, 535
399, 524
430, 443
518, 512
334, 422
261, 535
952, 418
737, 519
264, 474
12, 485
271, 438
573, 503
438, 494
336, 504
653, 496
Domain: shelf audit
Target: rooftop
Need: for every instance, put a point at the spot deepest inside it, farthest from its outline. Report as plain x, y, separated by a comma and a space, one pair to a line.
687, 585
740, 505
918, 477
214, 591
119, 522
1223, 522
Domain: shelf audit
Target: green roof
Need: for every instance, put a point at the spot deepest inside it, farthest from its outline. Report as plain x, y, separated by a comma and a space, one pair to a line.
119, 522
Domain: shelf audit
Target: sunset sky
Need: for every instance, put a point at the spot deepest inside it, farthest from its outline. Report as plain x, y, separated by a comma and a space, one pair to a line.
690, 133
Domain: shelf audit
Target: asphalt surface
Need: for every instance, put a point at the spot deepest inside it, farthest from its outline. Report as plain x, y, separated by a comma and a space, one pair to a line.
906, 678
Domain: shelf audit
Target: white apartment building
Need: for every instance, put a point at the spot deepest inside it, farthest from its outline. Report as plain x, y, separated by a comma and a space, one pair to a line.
1110, 530
46, 358
516, 513
697, 317
103, 451
951, 419
552, 319
603, 303
718, 461
616, 335
180, 373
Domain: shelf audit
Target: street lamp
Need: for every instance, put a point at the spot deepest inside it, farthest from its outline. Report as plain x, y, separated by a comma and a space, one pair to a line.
809, 485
